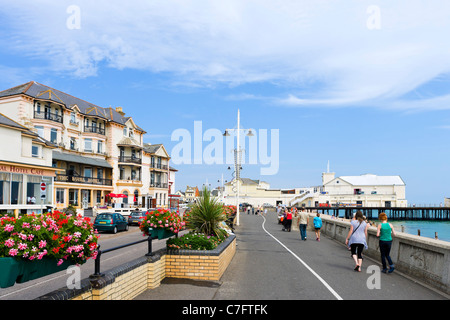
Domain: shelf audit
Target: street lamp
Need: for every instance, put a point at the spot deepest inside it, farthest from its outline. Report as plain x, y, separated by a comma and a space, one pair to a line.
237, 160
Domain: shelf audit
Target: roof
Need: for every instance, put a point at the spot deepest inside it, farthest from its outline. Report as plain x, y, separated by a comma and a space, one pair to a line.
80, 159
43, 92
5, 121
373, 180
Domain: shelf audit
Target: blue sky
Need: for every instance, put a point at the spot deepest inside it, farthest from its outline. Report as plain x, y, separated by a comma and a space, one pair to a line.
362, 84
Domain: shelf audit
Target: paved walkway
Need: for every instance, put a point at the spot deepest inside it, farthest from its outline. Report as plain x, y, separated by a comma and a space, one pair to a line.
271, 264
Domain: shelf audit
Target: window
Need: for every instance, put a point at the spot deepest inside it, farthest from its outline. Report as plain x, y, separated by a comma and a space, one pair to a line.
73, 118
35, 151
99, 146
88, 172
72, 143
40, 131
59, 195
125, 131
131, 133
87, 144
53, 135
99, 173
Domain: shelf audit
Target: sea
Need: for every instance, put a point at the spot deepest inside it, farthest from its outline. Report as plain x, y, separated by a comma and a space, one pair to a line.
427, 228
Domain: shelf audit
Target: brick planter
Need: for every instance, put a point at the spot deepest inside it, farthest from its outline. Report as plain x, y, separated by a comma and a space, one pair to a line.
127, 281
201, 265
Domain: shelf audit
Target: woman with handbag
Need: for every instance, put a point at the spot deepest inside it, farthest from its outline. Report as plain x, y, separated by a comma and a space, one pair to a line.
356, 239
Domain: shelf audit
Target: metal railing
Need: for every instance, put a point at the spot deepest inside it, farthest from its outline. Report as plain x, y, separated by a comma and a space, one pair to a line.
94, 129
48, 116
149, 253
84, 180
130, 159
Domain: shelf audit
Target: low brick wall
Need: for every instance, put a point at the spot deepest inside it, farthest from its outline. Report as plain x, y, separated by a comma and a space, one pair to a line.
133, 278
200, 265
424, 259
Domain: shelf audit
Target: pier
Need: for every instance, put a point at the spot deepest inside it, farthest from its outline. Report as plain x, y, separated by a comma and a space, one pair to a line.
393, 213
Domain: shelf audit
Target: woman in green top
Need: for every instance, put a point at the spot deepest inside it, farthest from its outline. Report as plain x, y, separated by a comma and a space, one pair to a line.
385, 232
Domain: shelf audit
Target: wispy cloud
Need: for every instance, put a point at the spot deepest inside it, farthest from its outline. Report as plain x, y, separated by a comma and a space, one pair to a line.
320, 53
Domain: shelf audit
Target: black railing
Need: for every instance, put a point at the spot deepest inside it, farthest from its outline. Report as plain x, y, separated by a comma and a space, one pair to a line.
130, 159
159, 166
85, 180
149, 253
94, 129
48, 116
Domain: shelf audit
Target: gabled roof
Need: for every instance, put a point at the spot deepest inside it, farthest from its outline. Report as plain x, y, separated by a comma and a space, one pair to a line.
372, 180
5, 121
43, 92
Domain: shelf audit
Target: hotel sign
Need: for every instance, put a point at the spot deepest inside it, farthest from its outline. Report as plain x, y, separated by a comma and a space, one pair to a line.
26, 170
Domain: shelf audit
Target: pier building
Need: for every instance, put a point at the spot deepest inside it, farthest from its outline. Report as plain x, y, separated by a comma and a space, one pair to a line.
367, 190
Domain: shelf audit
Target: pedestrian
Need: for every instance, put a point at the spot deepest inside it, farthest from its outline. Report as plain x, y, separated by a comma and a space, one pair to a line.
303, 223
385, 231
356, 239
317, 225
288, 220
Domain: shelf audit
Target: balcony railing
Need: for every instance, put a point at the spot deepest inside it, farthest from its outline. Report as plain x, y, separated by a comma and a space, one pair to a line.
84, 180
48, 116
159, 166
158, 185
94, 129
130, 159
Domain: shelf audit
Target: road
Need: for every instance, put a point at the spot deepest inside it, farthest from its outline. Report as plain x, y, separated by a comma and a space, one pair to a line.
36, 288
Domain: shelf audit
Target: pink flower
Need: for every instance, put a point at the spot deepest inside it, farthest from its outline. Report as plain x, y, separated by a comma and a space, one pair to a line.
25, 225
9, 227
42, 244
60, 261
30, 237
9, 243
22, 246
13, 252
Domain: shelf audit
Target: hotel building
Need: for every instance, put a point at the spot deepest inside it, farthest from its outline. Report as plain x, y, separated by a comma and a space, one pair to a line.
25, 168
96, 151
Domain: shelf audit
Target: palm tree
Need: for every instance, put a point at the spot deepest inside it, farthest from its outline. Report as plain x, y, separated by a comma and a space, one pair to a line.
206, 214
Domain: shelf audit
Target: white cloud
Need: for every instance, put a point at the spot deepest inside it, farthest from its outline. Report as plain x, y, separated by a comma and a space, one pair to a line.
324, 46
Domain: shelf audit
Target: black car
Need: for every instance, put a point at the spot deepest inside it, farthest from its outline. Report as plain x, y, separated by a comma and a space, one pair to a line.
136, 217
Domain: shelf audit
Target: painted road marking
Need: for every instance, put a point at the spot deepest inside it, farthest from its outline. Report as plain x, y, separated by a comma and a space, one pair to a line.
302, 262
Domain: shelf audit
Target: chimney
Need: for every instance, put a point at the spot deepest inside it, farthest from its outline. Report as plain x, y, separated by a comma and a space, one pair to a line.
119, 110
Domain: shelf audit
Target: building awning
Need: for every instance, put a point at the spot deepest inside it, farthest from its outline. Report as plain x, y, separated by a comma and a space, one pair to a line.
80, 159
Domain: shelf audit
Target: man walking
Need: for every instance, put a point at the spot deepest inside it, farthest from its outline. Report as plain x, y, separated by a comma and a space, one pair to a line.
303, 223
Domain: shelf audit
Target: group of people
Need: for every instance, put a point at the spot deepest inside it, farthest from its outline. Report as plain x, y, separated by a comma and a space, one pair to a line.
357, 235
356, 239
259, 210
286, 220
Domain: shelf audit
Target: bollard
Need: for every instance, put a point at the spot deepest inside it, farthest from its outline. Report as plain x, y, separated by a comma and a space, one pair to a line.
418, 232
97, 263
436, 236
149, 239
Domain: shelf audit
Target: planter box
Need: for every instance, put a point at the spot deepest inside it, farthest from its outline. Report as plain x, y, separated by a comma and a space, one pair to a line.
14, 270
160, 233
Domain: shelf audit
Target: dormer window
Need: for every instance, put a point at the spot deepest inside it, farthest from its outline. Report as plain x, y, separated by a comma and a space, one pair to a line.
125, 131
131, 133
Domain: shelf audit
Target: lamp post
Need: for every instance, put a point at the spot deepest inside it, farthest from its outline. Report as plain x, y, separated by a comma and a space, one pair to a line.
237, 161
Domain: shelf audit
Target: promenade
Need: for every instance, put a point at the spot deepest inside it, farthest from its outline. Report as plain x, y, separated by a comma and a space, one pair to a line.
271, 264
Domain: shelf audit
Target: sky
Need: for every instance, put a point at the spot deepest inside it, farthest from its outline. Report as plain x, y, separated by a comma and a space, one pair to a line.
363, 85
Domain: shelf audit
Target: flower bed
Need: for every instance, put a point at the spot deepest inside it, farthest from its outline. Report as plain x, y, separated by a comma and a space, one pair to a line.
162, 222
196, 241
57, 235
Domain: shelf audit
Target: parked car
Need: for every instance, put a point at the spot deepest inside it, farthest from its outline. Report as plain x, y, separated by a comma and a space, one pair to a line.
136, 217
112, 222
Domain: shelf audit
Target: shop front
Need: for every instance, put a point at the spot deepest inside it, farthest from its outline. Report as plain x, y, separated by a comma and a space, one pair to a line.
25, 188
